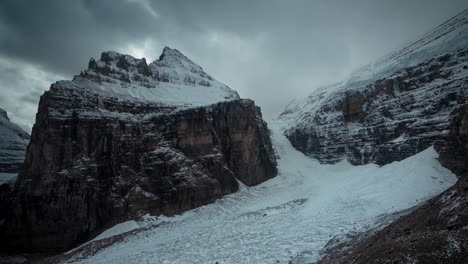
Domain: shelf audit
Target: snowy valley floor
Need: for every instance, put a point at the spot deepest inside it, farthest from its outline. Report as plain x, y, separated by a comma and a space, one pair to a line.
290, 217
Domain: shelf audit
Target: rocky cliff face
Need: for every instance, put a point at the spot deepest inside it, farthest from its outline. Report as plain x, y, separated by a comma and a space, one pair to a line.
454, 152
124, 139
391, 109
13, 143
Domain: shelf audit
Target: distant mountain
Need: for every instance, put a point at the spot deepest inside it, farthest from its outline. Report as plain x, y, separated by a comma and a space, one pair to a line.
13, 143
390, 109
125, 138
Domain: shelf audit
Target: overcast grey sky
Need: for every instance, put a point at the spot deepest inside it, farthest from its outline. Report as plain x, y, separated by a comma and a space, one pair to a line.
270, 51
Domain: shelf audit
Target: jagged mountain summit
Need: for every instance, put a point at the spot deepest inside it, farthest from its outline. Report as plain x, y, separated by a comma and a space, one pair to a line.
13, 143
124, 139
173, 79
390, 109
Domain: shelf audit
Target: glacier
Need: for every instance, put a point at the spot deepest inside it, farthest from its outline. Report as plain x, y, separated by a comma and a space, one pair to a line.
287, 219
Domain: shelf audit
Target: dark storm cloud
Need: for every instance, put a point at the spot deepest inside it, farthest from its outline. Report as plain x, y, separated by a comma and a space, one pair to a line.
61, 35
21, 85
271, 51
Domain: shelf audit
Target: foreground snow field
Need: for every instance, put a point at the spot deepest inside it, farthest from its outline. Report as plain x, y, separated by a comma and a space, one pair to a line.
294, 214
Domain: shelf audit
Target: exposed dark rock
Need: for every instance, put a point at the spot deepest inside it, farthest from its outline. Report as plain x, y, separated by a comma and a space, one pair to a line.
454, 152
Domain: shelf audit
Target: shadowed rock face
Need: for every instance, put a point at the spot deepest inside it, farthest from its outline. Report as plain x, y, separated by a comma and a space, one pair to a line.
454, 152
97, 158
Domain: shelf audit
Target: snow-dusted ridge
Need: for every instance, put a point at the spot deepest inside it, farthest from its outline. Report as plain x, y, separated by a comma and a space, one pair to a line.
449, 37
172, 80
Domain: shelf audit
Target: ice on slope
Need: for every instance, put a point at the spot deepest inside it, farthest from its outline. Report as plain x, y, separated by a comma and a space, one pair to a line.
296, 212
449, 37
172, 80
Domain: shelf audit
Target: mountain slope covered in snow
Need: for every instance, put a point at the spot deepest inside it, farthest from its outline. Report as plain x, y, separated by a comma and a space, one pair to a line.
13, 143
390, 109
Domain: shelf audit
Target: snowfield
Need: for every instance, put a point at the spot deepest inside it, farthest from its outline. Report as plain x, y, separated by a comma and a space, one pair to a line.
288, 218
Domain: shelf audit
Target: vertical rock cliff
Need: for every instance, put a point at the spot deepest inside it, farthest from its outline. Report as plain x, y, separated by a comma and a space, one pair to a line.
454, 152
125, 138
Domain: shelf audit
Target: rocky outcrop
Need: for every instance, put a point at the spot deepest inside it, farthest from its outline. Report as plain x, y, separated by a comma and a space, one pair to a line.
391, 109
437, 232
100, 153
13, 143
454, 152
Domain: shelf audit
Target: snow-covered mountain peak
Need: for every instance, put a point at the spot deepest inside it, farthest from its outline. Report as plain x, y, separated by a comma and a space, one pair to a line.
5, 123
174, 58
3, 114
173, 79
13, 143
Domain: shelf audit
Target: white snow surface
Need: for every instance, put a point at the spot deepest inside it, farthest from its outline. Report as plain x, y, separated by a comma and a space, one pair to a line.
118, 229
297, 211
113, 231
